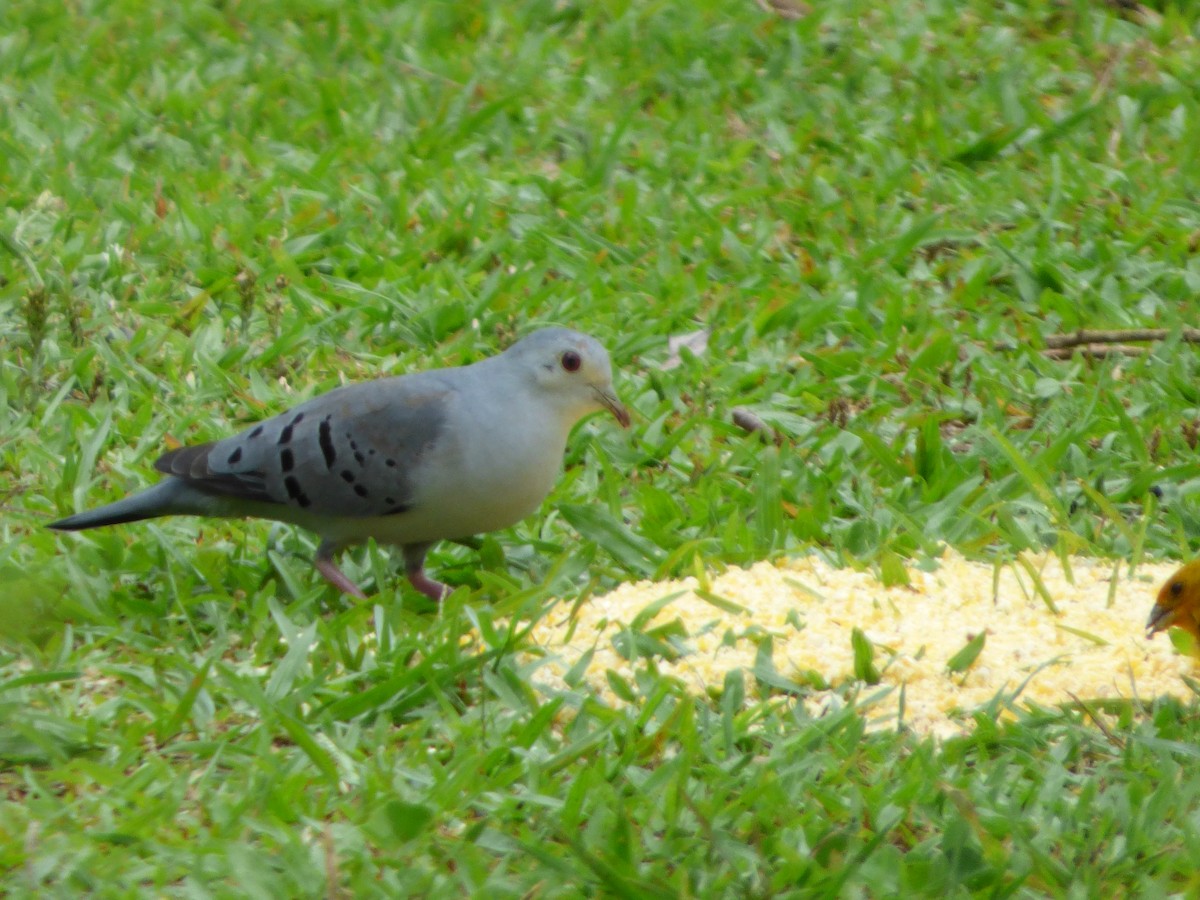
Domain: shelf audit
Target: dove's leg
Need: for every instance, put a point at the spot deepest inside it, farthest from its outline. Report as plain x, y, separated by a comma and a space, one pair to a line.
414, 568
335, 576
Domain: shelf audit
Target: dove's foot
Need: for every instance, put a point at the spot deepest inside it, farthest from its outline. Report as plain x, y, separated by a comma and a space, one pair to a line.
414, 568
335, 576
434, 590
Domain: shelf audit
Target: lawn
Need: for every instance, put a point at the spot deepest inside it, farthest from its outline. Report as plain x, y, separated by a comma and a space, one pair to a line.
881, 212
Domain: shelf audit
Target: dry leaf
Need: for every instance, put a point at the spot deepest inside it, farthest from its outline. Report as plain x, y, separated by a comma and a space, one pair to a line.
695, 341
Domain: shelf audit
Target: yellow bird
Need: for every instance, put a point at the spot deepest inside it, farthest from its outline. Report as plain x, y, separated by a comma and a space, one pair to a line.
1178, 604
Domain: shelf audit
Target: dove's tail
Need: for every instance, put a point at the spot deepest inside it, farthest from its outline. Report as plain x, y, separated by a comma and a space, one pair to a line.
167, 498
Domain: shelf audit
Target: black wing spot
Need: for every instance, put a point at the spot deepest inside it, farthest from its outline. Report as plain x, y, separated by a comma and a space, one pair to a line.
371, 452
361, 459
402, 508
298, 419
348, 476
286, 460
360, 490
389, 501
295, 492
325, 437
235, 456
256, 432
391, 463
286, 434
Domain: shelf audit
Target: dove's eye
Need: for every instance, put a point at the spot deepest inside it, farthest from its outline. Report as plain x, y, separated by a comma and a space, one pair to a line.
571, 361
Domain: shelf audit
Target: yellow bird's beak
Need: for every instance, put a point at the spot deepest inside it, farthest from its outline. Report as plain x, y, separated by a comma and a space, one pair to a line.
1160, 620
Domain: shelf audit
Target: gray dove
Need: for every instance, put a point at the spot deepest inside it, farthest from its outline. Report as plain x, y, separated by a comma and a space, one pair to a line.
409, 460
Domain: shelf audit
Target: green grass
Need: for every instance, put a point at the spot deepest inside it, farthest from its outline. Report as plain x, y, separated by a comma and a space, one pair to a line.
208, 213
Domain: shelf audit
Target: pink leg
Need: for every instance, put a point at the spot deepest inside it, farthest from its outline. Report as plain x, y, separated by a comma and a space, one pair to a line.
414, 567
335, 576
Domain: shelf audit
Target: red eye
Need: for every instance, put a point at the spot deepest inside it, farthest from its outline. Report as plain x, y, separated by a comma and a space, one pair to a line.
571, 361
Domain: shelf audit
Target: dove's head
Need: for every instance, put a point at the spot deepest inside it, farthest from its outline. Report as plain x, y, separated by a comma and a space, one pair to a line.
571, 370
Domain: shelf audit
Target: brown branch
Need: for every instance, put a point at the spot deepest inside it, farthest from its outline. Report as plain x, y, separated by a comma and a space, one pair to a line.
1084, 336
1101, 344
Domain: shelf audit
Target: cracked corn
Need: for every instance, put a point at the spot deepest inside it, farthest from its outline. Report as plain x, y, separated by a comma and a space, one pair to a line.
1095, 647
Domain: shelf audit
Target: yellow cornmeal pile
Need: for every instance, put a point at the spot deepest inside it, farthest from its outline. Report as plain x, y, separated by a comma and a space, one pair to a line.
915, 629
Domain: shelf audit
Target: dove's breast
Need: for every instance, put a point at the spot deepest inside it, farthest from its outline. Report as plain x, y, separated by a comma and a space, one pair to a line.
491, 465
499, 476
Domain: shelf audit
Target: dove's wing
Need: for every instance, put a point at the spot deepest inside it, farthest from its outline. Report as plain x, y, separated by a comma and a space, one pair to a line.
351, 453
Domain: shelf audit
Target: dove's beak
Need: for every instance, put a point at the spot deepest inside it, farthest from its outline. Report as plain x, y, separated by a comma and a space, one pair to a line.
1160, 620
610, 402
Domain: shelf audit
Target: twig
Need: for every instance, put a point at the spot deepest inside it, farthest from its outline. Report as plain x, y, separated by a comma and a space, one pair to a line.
1094, 716
1084, 336
1101, 344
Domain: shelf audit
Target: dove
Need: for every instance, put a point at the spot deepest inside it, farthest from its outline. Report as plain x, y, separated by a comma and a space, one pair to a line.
409, 460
